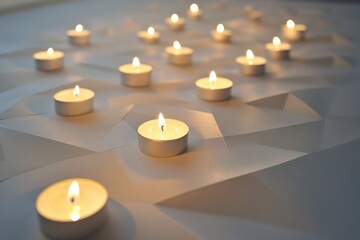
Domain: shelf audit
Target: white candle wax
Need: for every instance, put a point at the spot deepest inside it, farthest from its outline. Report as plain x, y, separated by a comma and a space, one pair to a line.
135, 74
194, 12
76, 215
69, 104
278, 49
175, 22
49, 60
149, 36
220, 34
170, 141
251, 65
79, 36
214, 88
294, 32
178, 55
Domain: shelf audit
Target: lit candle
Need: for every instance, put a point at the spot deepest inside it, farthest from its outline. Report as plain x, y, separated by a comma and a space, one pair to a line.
278, 49
194, 12
135, 74
149, 36
221, 34
73, 208
251, 65
214, 88
175, 23
163, 137
49, 60
74, 101
294, 32
79, 36
178, 55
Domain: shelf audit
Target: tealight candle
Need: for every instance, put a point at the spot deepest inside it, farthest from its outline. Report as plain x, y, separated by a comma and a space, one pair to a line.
294, 32
135, 74
73, 208
251, 65
178, 55
221, 34
175, 23
49, 60
163, 137
194, 12
79, 36
74, 101
278, 50
149, 36
214, 88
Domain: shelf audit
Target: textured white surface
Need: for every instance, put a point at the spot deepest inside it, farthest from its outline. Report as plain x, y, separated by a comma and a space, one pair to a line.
279, 160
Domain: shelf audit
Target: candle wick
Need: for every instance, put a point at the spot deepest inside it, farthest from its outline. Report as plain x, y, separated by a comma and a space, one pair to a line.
72, 199
162, 127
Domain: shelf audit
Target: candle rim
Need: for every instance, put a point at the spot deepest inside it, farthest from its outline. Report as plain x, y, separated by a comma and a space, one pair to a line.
168, 121
199, 82
71, 90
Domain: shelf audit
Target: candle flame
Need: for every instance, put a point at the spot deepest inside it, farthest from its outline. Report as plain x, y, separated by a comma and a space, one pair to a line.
276, 41
76, 91
249, 55
151, 31
75, 213
79, 28
220, 28
177, 45
136, 62
161, 122
174, 18
290, 23
73, 192
212, 77
194, 8
50, 51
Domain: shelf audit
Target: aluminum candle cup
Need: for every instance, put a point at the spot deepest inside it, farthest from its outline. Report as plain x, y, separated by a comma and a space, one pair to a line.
251, 65
194, 12
135, 74
294, 32
214, 88
170, 141
49, 60
72, 209
175, 23
278, 50
79, 36
178, 55
149, 36
74, 101
220, 34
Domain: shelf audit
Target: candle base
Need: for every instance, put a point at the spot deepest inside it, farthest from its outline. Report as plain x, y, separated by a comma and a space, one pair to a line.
49, 65
176, 26
297, 34
282, 53
196, 15
73, 230
163, 149
213, 96
132, 78
257, 68
144, 37
79, 40
181, 57
221, 37
136, 80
